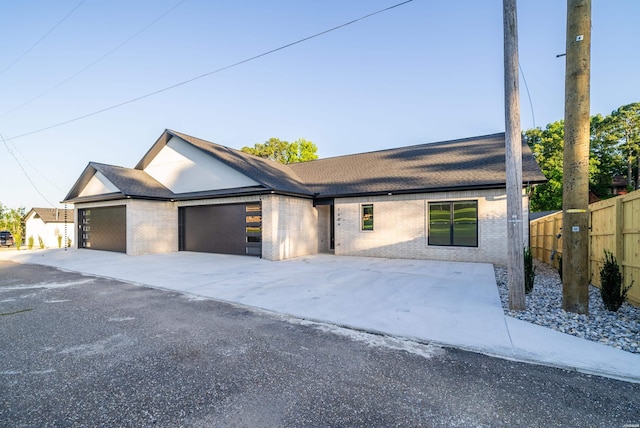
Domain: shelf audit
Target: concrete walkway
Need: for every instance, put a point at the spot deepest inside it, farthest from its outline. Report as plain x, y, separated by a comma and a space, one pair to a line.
445, 303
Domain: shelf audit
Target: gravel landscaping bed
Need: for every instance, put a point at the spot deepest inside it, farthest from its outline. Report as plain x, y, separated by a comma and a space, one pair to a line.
544, 307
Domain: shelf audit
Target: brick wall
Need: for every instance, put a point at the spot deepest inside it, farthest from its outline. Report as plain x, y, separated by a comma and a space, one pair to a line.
401, 227
292, 227
152, 227
289, 227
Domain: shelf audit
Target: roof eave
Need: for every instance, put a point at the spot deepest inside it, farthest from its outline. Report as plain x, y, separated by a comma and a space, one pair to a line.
82, 180
95, 198
265, 191
189, 197
154, 149
486, 186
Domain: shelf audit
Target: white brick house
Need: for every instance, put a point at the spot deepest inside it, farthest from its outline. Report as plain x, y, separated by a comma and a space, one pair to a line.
439, 201
49, 224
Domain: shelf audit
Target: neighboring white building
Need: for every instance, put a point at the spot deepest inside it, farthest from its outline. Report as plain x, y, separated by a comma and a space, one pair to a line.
438, 201
49, 224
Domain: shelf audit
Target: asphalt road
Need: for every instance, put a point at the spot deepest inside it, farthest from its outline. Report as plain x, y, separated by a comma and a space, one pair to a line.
84, 351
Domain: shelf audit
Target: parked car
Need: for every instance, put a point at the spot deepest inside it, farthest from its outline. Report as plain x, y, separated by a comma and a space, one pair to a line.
6, 238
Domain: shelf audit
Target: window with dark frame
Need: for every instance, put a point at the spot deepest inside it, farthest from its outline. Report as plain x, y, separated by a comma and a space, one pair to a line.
253, 228
367, 217
453, 224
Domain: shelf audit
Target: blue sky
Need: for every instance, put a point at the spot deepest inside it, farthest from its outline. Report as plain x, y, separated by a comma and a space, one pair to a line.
422, 72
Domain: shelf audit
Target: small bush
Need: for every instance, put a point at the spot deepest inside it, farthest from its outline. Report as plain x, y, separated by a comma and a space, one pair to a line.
40, 242
59, 241
30, 242
68, 242
612, 290
560, 267
529, 271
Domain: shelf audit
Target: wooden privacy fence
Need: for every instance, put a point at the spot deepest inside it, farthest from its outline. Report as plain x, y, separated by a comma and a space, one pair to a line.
614, 226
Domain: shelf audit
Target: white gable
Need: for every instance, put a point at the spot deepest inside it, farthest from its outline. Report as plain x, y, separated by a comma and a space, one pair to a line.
98, 185
183, 168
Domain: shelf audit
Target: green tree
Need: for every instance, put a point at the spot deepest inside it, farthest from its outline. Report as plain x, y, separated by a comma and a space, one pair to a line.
614, 147
547, 147
285, 152
605, 159
307, 151
625, 128
13, 220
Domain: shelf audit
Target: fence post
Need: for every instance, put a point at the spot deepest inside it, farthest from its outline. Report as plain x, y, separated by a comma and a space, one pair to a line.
554, 242
618, 226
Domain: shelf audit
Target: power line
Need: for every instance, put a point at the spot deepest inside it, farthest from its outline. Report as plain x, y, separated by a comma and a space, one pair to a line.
132, 100
13, 150
26, 161
42, 38
533, 116
94, 62
24, 171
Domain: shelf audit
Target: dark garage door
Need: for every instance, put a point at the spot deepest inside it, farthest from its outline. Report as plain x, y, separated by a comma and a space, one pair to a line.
225, 229
104, 228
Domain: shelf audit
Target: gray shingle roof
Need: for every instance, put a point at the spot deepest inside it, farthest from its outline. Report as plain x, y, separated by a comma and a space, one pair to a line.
467, 163
51, 215
470, 163
133, 182
270, 174
130, 182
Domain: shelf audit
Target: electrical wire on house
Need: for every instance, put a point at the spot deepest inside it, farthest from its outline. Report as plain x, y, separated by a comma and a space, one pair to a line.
73, 76
4, 141
193, 79
25, 53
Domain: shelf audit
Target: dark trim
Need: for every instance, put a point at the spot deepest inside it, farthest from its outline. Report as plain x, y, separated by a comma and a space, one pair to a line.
452, 223
332, 227
363, 227
191, 197
181, 230
262, 191
95, 198
81, 182
155, 149
424, 190
322, 201
317, 199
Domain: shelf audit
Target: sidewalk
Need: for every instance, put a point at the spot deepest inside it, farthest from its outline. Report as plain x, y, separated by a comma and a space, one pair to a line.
444, 303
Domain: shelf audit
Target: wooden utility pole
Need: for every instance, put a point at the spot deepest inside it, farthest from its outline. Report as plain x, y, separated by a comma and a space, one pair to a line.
513, 149
575, 181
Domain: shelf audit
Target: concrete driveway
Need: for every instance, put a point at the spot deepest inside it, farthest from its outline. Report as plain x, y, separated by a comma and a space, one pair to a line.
446, 303
82, 351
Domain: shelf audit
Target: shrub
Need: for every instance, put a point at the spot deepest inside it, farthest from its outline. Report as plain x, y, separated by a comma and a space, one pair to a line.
59, 241
40, 242
30, 242
529, 271
560, 267
68, 242
612, 290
